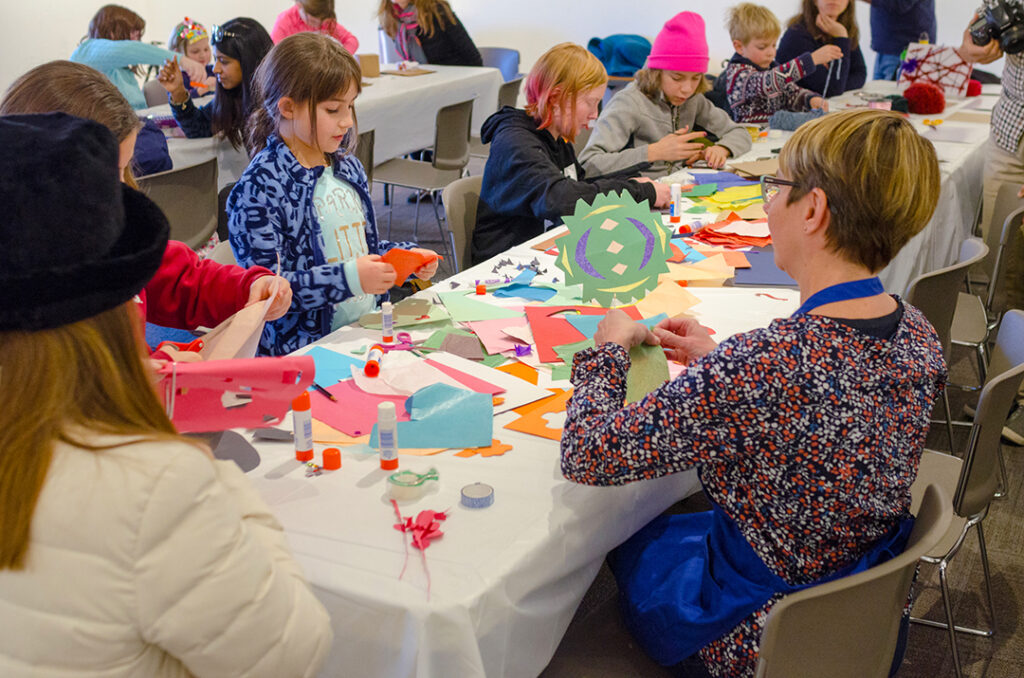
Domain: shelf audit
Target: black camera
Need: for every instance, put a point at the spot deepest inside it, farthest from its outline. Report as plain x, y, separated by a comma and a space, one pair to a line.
1001, 20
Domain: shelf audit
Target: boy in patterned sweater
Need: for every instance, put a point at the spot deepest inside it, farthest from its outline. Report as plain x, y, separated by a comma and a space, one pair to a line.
756, 85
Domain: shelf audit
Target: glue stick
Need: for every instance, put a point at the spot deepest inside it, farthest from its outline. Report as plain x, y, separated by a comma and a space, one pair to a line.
677, 203
387, 322
302, 422
387, 435
376, 355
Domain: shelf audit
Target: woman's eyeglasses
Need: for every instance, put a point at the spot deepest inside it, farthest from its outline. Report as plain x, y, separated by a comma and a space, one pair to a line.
770, 186
217, 33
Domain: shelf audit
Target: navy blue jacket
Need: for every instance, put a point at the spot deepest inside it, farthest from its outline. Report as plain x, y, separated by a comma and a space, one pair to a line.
194, 121
897, 23
849, 73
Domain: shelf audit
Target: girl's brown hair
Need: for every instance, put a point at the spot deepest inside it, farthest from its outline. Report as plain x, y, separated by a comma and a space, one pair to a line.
648, 81
308, 68
430, 15
75, 89
321, 9
86, 377
114, 22
809, 14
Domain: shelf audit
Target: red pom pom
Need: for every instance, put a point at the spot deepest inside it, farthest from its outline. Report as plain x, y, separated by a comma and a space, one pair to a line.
973, 88
925, 98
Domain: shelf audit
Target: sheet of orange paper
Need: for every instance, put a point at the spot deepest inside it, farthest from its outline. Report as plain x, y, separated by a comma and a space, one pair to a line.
496, 449
405, 262
532, 417
668, 298
518, 369
545, 245
733, 258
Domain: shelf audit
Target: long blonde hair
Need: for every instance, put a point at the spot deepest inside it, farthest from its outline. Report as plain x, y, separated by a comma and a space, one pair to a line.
430, 15
87, 375
75, 89
557, 79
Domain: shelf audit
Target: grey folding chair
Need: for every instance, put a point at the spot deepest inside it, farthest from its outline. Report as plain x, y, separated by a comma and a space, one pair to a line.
848, 628
504, 59
975, 479
580, 142
154, 92
451, 155
188, 198
508, 95
460, 199
386, 47
932, 292
223, 254
364, 153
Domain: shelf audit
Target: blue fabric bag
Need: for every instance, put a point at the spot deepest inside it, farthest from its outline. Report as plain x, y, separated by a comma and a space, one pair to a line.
621, 54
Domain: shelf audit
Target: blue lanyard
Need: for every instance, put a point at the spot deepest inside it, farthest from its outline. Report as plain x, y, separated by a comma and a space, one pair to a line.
853, 289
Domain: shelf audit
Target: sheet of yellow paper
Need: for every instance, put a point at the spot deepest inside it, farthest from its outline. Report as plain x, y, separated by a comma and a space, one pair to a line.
668, 298
737, 194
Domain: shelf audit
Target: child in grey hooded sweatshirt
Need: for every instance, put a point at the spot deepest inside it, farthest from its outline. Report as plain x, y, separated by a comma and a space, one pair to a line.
648, 126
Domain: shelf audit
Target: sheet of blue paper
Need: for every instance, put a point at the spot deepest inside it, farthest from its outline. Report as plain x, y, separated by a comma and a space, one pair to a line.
723, 179
525, 292
762, 271
525, 276
331, 366
434, 412
587, 324
691, 256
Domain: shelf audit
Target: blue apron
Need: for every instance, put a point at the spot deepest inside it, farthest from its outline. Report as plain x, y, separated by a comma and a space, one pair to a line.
687, 580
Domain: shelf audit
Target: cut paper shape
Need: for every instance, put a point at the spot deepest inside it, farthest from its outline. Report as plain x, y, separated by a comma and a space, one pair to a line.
756, 168
701, 190
466, 347
682, 253
587, 324
239, 335
463, 308
532, 418
521, 333
548, 243
567, 351
763, 271
516, 392
723, 179
407, 312
495, 449
402, 374
467, 381
527, 292
518, 369
752, 229
355, 413
589, 256
561, 372
322, 433
331, 366
434, 412
435, 340
669, 299
427, 526
551, 329
525, 276
648, 370
406, 262
753, 212
218, 395
495, 335
737, 194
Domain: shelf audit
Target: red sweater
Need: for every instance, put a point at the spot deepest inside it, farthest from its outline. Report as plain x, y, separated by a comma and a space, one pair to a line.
188, 292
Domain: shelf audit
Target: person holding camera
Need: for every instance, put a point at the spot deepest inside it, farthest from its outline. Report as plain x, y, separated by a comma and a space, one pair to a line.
998, 28
894, 25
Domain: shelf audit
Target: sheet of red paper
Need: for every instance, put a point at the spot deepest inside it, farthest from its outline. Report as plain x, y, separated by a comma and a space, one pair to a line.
469, 381
355, 413
405, 262
550, 330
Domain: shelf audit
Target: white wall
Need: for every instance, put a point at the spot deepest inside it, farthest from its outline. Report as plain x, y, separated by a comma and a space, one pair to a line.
50, 30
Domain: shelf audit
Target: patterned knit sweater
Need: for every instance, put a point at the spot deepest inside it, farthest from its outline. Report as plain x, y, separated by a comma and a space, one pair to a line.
807, 433
756, 93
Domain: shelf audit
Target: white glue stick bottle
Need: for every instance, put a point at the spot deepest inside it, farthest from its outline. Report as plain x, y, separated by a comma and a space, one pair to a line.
677, 203
302, 422
387, 435
387, 321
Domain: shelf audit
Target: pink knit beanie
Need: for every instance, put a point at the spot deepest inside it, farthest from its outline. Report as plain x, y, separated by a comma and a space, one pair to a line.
681, 45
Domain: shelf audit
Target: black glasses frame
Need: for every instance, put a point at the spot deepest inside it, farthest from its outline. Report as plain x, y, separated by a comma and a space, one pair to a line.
771, 185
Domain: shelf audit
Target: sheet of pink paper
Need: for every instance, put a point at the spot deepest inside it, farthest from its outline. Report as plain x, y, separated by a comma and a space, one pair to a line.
470, 382
492, 336
355, 413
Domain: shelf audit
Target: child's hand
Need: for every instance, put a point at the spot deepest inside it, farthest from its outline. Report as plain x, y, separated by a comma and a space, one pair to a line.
376, 276
170, 78
261, 289
663, 192
426, 271
825, 54
831, 26
715, 156
678, 145
196, 71
818, 102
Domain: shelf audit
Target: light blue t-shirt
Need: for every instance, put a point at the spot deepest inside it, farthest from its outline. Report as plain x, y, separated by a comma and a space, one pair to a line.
343, 225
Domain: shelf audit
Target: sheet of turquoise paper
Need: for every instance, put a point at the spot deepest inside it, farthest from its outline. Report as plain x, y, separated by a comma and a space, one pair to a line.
648, 370
444, 416
587, 324
331, 366
690, 255
525, 276
525, 292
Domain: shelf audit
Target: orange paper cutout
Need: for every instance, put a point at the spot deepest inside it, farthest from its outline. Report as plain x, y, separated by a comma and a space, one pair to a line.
531, 416
496, 449
521, 370
406, 262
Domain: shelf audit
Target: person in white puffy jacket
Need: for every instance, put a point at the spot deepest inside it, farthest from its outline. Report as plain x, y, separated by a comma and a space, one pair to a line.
125, 549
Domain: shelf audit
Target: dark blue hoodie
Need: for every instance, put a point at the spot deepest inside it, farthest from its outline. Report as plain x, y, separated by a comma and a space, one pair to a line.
527, 179
897, 23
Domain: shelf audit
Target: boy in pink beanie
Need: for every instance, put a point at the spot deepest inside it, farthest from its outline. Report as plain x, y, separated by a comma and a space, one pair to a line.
648, 126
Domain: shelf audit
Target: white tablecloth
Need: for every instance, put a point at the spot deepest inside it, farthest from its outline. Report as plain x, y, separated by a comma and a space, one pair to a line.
400, 109
961, 165
504, 581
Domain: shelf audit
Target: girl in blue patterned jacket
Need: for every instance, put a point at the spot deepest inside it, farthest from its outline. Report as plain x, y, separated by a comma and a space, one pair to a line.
319, 224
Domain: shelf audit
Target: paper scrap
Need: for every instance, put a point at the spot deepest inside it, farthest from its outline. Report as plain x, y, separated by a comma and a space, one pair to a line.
495, 335
406, 262
332, 366
467, 347
463, 308
587, 324
433, 413
355, 413
532, 417
667, 298
518, 369
648, 370
495, 449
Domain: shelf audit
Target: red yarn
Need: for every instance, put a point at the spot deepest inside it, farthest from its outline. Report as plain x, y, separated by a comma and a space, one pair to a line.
973, 88
925, 98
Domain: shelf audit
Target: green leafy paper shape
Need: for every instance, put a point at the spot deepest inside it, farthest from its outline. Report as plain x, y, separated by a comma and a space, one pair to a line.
616, 249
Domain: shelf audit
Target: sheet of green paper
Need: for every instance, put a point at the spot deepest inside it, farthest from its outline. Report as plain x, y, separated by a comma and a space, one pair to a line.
435, 340
701, 191
647, 371
567, 351
494, 360
696, 209
464, 308
560, 372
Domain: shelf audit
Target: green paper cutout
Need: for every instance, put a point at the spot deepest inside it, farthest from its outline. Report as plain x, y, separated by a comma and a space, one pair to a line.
696, 209
567, 351
463, 308
616, 248
435, 340
493, 360
701, 191
560, 372
648, 370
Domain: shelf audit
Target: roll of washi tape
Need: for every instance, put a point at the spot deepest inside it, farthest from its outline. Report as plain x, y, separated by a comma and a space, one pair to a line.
477, 495
409, 485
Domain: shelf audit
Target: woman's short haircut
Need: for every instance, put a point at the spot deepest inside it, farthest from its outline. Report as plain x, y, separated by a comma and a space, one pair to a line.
880, 176
560, 75
747, 21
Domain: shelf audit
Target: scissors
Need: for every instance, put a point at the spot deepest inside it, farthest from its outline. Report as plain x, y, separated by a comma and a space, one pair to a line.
404, 342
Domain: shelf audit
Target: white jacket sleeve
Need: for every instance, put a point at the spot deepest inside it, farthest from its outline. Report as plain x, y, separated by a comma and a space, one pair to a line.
216, 585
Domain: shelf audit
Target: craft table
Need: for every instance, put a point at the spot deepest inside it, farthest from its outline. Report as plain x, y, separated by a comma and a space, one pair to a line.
961, 166
504, 581
401, 109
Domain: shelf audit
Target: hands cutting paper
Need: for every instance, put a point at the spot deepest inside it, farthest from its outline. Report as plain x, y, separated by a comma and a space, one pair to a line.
619, 328
275, 285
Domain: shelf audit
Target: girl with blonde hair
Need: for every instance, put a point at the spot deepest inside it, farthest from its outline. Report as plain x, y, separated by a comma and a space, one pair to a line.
532, 174
427, 31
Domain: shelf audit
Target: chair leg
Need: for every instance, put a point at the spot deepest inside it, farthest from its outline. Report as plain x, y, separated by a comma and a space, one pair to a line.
416, 220
391, 212
982, 356
949, 420
1004, 486
947, 604
988, 580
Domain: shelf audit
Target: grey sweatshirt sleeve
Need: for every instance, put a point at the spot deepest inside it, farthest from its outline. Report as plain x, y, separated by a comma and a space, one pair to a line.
607, 151
734, 137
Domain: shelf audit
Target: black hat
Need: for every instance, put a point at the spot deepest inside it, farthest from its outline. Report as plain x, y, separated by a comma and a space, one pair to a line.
74, 241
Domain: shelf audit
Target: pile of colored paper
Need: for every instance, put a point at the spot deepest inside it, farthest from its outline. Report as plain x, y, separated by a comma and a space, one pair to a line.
734, 232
